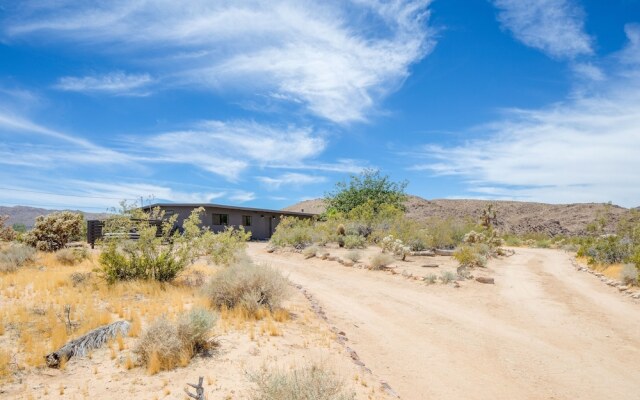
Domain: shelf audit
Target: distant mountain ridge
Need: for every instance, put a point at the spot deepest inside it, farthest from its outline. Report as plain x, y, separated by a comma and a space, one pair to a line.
513, 216
27, 215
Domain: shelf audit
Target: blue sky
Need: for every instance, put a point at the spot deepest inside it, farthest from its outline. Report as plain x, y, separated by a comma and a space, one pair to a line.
268, 103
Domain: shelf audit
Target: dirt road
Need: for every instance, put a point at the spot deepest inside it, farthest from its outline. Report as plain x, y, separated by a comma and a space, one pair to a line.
543, 331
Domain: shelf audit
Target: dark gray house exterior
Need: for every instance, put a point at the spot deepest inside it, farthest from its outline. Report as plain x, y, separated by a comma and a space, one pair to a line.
259, 221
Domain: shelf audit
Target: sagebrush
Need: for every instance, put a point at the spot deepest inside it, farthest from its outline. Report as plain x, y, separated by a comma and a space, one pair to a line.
308, 383
15, 256
249, 286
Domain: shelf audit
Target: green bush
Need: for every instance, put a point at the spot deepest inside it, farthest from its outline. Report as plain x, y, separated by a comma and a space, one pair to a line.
52, 232
247, 285
309, 383
224, 248
15, 256
354, 242
470, 256
158, 254
295, 232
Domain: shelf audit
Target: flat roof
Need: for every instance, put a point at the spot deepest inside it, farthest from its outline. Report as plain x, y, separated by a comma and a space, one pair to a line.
205, 205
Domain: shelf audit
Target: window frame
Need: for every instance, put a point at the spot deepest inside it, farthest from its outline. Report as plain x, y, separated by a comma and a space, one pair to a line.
246, 218
224, 219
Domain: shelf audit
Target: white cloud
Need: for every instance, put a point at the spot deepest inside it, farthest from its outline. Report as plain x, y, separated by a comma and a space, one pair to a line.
114, 83
582, 150
290, 179
242, 197
68, 148
556, 27
229, 148
589, 71
336, 58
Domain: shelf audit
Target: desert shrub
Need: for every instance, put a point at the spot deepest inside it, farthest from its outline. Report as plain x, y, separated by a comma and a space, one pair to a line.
379, 261
15, 256
431, 279
446, 233
629, 274
7, 233
224, 247
52, 232
160, 253
310, 251
309, 383
249, 286
165, 345
512, 240
470, 256
78, 278
447, 276
71, 256
194, 328
160, 347
354, 256
295, 232
354, 242
395, 247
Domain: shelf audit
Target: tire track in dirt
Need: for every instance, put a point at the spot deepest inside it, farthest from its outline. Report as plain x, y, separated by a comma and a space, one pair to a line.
544, 331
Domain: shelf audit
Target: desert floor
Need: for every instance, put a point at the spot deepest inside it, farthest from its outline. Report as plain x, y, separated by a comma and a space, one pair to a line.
543, 331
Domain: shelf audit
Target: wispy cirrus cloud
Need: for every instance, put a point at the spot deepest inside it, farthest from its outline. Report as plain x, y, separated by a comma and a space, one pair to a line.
336, 59
555, 27
583, 149
229, 148
290, 179
117, 83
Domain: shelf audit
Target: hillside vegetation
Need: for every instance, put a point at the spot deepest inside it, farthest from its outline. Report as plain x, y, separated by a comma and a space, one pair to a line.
513, 216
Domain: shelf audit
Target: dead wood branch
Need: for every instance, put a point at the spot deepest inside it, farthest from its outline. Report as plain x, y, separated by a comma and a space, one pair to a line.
199, 390
92, 340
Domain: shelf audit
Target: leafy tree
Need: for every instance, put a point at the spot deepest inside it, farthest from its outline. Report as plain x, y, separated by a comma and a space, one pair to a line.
20, 228
368, 186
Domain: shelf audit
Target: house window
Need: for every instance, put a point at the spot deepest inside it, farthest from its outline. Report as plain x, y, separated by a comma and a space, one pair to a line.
246, 220
221, 219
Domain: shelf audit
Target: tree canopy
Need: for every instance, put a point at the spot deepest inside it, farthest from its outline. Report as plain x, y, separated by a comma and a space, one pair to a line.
368, 187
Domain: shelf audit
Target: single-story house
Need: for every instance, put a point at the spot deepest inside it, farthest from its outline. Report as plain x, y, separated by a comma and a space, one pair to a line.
261, 222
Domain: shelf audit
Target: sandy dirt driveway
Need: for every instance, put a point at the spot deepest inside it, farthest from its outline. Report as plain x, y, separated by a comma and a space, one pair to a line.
543, 331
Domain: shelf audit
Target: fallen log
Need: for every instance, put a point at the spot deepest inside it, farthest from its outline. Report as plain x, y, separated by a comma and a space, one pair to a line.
425, 253
92, 340
443, 252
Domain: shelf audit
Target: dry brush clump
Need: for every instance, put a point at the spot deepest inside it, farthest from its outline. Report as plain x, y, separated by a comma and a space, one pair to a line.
248, 286
380, 261
15, 256
165, 345
307, 383
353, 255
72, 256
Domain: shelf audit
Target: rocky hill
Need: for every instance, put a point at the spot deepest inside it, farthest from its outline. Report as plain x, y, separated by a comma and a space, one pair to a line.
27, 215
513, 216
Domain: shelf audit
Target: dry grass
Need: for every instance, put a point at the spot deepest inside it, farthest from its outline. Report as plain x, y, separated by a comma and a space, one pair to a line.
308, 383
33, 306
249, 287
166, 345
379, 261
